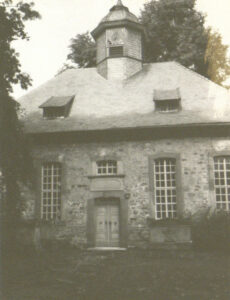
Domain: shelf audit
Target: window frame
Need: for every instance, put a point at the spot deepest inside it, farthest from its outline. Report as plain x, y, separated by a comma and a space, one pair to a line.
93, 166
211, 179
212, 186
165, 188
57, 111
158, 107
38, 162
120, 54
107, 167
178, 186
51, 193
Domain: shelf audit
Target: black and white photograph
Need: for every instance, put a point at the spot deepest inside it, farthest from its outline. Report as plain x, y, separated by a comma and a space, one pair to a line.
114, 150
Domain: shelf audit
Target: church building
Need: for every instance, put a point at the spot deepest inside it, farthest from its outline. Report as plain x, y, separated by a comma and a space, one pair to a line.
127, 152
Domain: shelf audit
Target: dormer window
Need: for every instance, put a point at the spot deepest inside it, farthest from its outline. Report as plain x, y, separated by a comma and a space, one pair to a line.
167, 106
115, 51
167, 100
57, 107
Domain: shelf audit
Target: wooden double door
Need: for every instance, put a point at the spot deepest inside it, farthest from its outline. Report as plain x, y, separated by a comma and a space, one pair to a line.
107, 223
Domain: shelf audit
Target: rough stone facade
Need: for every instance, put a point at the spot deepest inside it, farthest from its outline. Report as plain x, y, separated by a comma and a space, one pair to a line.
116, 120
196, 155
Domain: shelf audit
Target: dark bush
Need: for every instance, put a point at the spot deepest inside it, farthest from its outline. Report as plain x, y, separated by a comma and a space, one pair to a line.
212, 232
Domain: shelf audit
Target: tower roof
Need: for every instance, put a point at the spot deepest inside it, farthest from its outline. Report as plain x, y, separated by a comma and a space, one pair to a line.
118, 15
119, 12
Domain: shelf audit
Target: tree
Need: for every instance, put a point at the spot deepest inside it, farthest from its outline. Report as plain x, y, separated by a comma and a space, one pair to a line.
175, 31
14, 164
83, 51
216, 58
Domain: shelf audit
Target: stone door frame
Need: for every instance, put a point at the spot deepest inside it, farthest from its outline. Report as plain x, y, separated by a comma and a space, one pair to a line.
91, 206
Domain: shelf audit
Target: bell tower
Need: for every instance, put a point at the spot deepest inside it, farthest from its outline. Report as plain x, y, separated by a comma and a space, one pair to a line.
119, 44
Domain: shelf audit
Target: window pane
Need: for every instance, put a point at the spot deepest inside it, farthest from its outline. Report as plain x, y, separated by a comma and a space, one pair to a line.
167, 105
165, 187
51, 196
106, 167
222, 182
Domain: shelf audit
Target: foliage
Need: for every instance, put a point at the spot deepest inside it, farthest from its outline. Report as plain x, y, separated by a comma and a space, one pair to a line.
12, 27
83, 51
175, 31
213, 232
14, 163
216, 58
64, 68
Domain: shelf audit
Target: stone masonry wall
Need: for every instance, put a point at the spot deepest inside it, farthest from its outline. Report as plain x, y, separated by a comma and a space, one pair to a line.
77, 160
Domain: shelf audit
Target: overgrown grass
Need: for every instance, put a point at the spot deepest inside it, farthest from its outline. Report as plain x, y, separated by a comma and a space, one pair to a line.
71, 274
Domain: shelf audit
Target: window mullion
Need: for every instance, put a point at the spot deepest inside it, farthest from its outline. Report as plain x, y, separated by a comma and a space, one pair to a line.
155, 188
52, 191
166, 187
42, 189
225, 183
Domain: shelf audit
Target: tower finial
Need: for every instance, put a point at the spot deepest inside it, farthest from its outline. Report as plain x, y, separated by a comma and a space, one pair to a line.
119, 3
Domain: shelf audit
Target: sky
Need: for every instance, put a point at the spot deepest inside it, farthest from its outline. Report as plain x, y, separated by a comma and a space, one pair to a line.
46, 51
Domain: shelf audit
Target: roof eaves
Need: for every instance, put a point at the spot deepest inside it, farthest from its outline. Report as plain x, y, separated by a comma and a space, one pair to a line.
112, 24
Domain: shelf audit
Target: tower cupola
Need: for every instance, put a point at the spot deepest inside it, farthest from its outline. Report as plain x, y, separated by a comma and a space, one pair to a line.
119, 43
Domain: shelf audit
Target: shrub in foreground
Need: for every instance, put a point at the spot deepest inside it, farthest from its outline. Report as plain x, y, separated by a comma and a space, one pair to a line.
213, 232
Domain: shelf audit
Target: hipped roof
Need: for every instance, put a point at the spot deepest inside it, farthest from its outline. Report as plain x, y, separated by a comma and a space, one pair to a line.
104, 104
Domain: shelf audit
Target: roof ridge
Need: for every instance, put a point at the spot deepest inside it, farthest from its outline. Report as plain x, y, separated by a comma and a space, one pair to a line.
199, 75
49, 80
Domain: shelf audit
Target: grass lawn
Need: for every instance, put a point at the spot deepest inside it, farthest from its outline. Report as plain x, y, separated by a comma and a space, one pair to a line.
134, 274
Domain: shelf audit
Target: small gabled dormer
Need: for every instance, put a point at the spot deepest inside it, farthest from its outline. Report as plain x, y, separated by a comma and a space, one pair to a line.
57, 107
167, 100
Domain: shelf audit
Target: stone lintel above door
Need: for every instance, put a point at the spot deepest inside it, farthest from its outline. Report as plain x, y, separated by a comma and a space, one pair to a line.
106, 183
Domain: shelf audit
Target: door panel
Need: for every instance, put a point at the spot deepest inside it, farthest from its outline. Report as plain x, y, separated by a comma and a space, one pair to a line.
101, 228
107, 224
114, 226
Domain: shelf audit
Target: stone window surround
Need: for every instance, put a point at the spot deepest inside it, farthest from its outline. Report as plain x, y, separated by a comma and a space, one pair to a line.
166, 191
180, 204
49, 190
211, 156
106, 167
38, 163
93, 168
